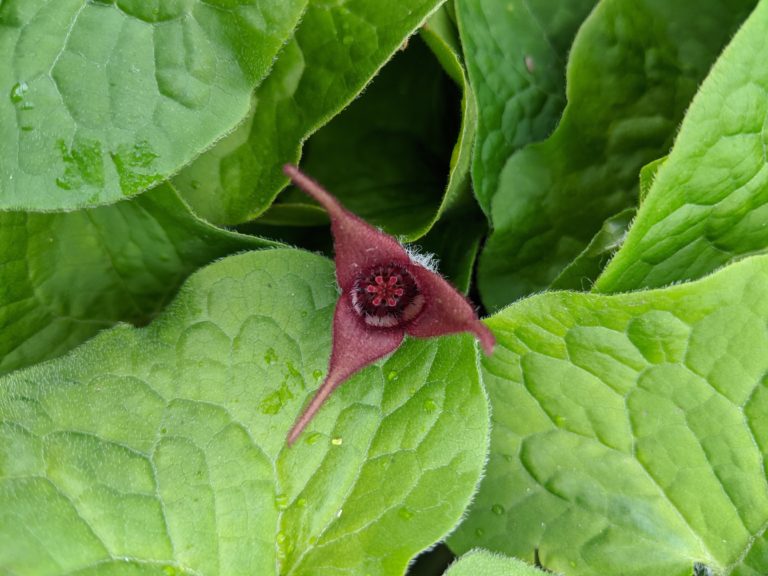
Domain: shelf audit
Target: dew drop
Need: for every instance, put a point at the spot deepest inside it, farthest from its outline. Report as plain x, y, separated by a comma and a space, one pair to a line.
270, 357
430, 405
392, 376
479, 532
18, 91
281, 501
317, 374
284, 545
497, 509
405, 513
337, 441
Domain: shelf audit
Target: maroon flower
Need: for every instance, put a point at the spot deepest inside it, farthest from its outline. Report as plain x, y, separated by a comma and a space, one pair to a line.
385, 294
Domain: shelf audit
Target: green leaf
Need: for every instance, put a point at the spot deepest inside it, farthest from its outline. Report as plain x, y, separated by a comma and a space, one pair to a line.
516, 52
455, 241
164, 447
103, 99
706, 206
629, 431
66, 276
648, 176
482, 562
336, 50
630, 80
442, 36
587, 266
387, 155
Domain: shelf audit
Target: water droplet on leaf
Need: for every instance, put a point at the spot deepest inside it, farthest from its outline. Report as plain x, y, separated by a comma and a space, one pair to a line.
392, 376
337, 441
497, 509
270, 356
281, 501
18, 91
430, 405
405, 513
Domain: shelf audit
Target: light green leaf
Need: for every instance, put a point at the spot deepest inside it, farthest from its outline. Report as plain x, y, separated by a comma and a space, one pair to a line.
587, 266
102, 99
336, 50
516, 52
648, 176
630, 80
484, 563
707, 204
629, 431
66, 276
162, 449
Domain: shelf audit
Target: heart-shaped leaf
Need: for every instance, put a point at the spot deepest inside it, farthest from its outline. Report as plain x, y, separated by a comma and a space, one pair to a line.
629, 431
102, 99
162, 449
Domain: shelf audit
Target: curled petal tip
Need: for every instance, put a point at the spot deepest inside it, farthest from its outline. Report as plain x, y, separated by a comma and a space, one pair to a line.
487, 339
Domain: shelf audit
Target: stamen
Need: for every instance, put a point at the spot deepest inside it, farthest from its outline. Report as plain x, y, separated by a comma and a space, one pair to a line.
387, 296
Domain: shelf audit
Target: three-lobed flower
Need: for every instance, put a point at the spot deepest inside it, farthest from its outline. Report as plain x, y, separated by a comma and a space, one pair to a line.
385, 294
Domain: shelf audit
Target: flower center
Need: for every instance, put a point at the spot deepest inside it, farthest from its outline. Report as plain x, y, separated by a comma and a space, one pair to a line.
387, 296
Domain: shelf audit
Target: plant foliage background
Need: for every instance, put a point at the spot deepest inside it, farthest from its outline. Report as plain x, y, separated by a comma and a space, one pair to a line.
593, 173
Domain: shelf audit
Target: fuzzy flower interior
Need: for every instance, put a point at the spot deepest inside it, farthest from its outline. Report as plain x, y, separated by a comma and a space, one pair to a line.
385, 294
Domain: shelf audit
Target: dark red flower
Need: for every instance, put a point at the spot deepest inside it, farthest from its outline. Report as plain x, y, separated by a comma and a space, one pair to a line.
385, 294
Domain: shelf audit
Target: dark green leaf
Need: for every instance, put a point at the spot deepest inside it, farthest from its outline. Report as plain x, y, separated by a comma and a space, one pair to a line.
67, 276
334, 53
633, 70
707, 205
516, 52
587, 266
